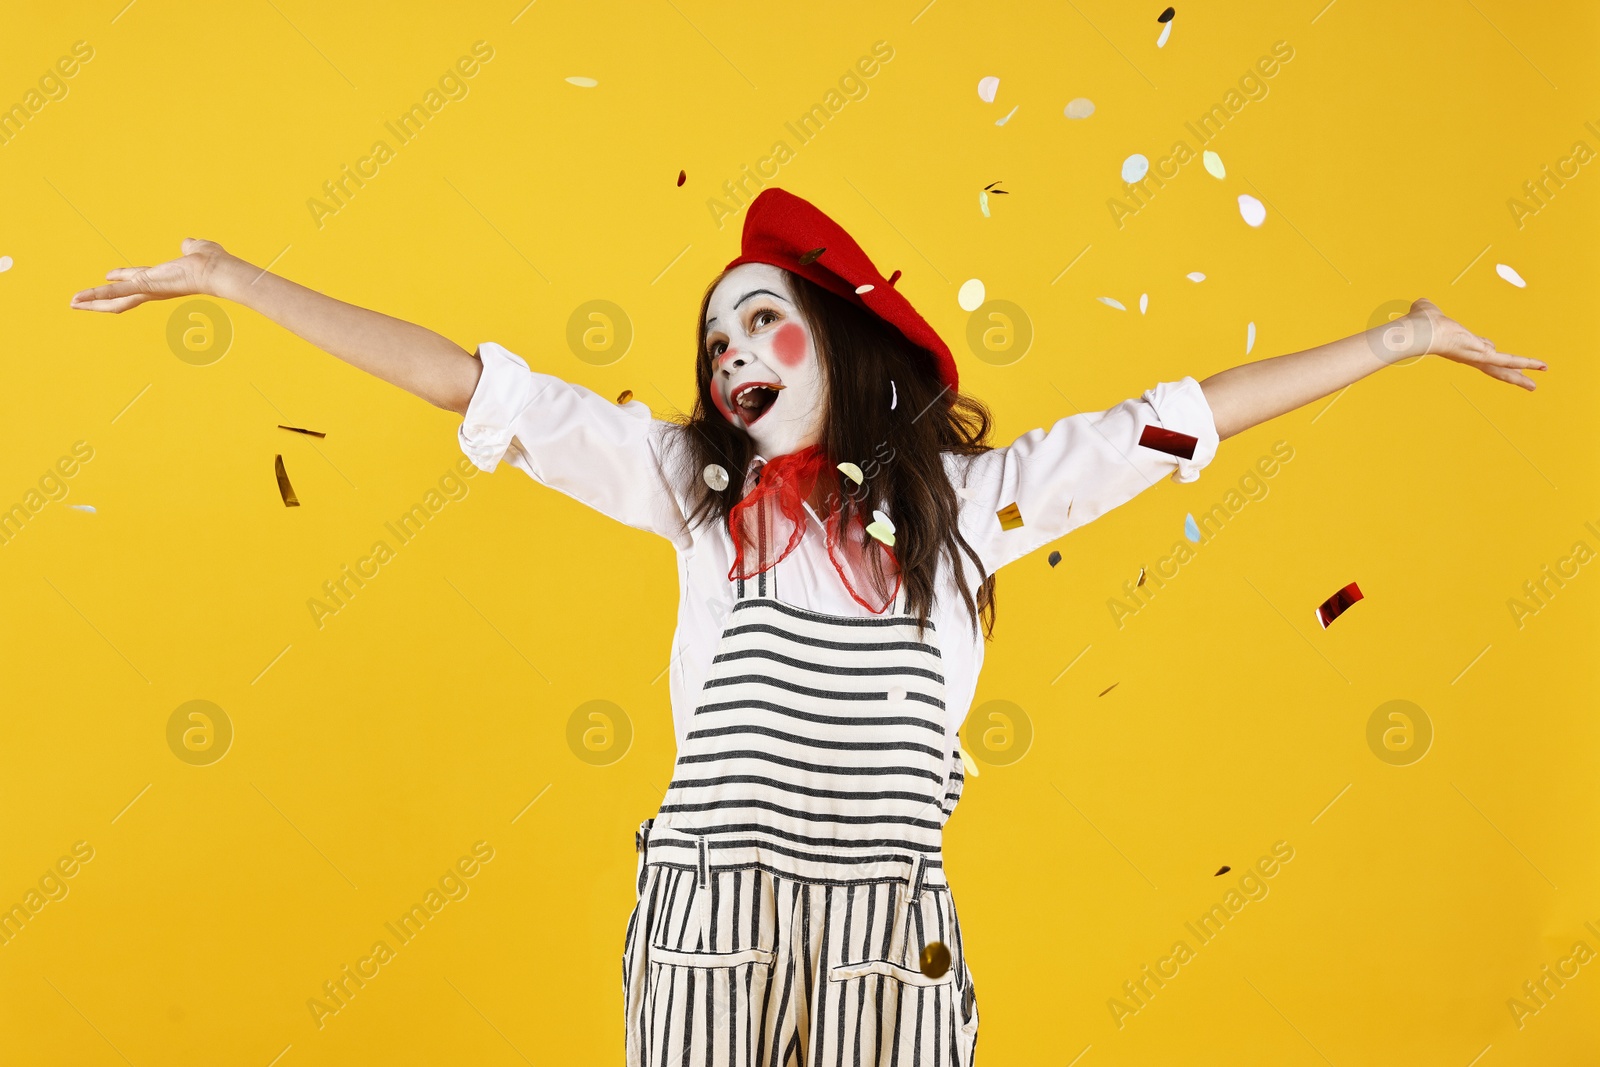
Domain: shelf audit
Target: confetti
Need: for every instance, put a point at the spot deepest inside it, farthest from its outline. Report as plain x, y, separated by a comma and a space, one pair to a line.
1080, 108
935, 959
898, 693
1190, 530
966, 494
1002, 122
860, 289
1510, 275
1135, 167
683, 176
1010, 517
968, 764
1249, 338
296, 429
1144, 302
1108, 688
853, 472
1171, 442
1111, 302
983, 202
881, 532
624, 396
1338, 604
83, 507
582, 83
1141, 578
1166, 31
1222, 871
811, 256
1166, 16
715, 477
883, 520
987, 87
5, 264
1195, 276
1213, 163
971, 294
1252, 210
894, 395
285, 490
1054, 558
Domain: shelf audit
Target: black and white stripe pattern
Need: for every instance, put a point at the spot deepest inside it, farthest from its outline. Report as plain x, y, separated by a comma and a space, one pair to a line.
794, 873
751, 968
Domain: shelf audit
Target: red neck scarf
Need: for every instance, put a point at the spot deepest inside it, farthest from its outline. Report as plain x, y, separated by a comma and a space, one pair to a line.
769, 522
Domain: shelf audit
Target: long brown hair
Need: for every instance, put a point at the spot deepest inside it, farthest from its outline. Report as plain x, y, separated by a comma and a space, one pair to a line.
900, 450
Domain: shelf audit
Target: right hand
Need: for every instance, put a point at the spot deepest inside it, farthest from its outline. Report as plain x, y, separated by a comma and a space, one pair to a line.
194, 274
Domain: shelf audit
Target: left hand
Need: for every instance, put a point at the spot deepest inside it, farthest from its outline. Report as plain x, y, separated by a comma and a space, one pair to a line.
1438, 334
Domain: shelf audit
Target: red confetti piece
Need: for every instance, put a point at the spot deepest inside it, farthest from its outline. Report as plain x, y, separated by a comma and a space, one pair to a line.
683, 176
1171, 442
1338, 604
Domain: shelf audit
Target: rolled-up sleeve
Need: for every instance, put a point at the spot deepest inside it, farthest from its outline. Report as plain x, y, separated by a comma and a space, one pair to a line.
1077, 470
609, 456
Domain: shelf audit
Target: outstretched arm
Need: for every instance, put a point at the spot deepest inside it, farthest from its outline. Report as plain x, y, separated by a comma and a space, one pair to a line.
1252, 393
401, 353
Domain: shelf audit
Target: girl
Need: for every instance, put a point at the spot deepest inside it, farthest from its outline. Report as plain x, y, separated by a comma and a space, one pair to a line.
839, 516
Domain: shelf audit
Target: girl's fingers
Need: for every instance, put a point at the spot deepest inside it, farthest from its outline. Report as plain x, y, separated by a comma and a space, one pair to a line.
116, 274
1513, 377
115, 305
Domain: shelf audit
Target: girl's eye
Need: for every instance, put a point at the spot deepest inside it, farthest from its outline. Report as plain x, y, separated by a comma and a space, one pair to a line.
763, 317
716, 348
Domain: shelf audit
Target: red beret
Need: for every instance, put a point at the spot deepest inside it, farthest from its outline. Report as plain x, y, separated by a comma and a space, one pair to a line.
780, 229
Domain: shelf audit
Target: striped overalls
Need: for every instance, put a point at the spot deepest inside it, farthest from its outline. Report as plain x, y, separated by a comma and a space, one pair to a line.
793, 874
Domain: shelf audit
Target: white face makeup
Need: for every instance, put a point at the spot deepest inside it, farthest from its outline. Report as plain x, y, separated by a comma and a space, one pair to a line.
766, 376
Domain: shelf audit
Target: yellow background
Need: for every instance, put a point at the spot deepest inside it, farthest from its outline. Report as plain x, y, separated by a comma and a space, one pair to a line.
427, 714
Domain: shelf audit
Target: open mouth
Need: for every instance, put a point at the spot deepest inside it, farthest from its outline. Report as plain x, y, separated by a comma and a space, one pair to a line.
754, 399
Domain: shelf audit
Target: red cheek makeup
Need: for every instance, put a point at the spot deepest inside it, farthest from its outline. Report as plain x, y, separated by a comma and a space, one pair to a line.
789, 344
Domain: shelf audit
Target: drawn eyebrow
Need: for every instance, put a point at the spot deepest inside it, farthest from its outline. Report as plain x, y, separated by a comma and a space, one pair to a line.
747, 296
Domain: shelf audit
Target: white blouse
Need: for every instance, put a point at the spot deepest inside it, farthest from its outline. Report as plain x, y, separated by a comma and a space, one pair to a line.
620, 460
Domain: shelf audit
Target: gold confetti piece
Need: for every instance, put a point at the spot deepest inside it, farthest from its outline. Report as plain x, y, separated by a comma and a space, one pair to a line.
987, 87
683, 176
853, 472
1010, 517
1108, 688
582, 83
624, 396
811, 256
881, 532
715, 477
968, 764
884, 519
1225, 869
83, 507
1141, 577
1080, 108
296, 429
935, 959
285, 490
983, 202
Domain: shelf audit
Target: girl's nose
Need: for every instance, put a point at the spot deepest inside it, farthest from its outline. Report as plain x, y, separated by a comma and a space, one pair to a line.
732, 360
